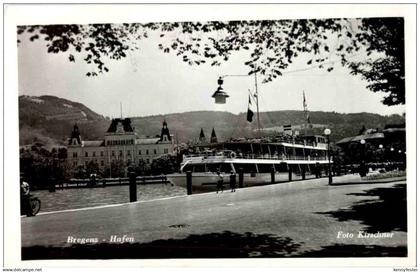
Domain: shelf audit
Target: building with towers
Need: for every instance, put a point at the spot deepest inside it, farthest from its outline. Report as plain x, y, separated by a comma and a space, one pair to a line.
120, 145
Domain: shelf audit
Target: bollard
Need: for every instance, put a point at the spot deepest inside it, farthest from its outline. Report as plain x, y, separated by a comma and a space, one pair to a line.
290, 173
303, 173
189, 183
241, 178
133, 187
51, 186
232, 181
273, 175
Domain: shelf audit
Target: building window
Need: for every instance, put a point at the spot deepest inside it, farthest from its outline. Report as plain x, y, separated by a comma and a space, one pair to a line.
147, 151
86, 154
128, 153
165, 151
113, 153
139, 152
121, 153
74, 154
93, 154
147, 160
102, 163
155, 151
102, 153
75, 163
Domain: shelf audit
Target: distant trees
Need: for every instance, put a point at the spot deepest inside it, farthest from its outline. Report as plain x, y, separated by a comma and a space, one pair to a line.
370, 47
38, 165
164, 165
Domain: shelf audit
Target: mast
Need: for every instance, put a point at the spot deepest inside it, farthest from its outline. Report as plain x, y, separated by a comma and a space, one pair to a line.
307, 123
258, 108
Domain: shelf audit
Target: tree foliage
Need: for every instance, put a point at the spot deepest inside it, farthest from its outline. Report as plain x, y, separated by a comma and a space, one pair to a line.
272, 45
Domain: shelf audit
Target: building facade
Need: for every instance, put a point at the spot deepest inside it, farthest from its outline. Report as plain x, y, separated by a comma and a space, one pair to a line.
120, 145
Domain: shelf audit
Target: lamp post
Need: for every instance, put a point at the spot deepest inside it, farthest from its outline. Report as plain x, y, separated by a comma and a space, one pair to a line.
327, 133
381, 153
362, 163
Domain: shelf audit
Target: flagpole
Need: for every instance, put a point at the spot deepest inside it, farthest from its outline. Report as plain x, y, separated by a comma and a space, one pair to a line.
258, 109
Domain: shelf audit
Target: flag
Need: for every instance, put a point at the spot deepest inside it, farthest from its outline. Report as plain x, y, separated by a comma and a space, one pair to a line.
305, 109
250, 113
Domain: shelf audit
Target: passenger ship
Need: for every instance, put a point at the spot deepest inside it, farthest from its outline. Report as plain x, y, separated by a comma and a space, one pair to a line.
256, 158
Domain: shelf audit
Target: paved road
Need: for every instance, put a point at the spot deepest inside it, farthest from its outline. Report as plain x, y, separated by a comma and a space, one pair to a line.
291, 210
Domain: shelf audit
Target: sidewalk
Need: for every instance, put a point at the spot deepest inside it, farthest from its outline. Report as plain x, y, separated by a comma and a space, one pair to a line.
289, 219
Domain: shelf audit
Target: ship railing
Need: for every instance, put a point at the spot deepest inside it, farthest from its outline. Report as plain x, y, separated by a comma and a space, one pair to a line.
283, 157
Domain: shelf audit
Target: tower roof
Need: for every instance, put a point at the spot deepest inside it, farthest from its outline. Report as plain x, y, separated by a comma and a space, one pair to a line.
126, 123
213, 138
202, 134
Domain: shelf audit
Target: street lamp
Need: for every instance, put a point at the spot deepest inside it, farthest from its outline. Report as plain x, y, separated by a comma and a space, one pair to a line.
362, 163
220, 95
327, 133
380, 157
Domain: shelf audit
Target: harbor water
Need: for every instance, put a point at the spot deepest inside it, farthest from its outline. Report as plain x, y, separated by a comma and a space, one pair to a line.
91, 197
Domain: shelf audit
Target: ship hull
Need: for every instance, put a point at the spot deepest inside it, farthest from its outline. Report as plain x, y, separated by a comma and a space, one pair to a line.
209, 180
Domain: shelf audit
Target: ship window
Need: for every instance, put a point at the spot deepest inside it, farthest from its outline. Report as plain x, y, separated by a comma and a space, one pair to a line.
226, 168
199, 168
299, 151
187, 167
213, 167
247, 167
282, 167
264, 168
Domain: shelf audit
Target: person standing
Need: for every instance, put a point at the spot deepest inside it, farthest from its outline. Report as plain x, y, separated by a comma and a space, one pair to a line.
232, 182
219, 182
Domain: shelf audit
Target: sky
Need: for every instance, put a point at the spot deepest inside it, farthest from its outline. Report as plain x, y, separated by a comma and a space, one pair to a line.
150, 82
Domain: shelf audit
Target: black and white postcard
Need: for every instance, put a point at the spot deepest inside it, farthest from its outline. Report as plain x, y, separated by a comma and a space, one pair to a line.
190, 134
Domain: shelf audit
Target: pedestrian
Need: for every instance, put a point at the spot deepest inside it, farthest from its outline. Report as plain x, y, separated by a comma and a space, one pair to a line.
232, 182
219, 182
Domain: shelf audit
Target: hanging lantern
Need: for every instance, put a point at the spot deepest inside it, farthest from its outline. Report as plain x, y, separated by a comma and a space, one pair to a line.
220, 95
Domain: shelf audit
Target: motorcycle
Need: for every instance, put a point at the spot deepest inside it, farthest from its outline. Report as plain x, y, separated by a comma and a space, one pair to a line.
32, 206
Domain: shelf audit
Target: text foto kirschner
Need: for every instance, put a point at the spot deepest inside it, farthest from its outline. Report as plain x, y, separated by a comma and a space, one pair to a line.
364, 234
